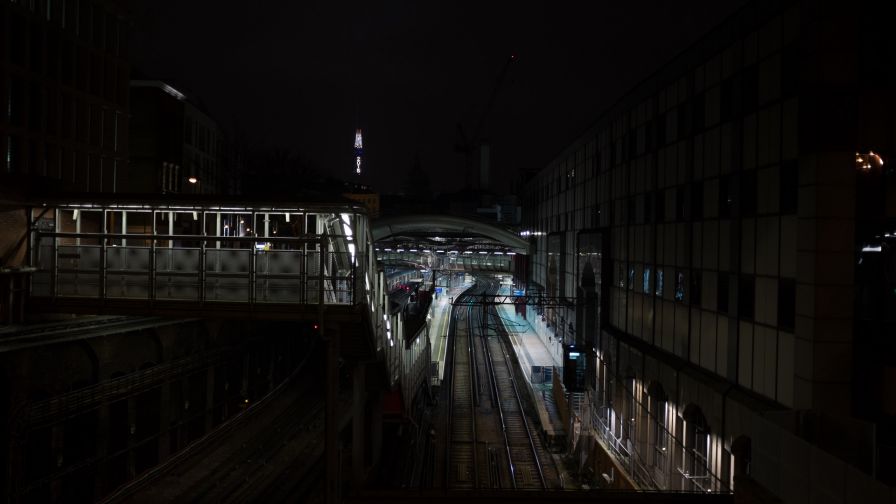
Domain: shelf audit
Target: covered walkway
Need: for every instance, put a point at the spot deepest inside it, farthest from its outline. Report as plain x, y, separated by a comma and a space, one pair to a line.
202, 258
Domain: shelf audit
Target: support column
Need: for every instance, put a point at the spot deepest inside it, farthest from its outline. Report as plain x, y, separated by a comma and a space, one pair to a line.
376, 427
358, 423
102, 449
331, 429
132, 429
164, 422
58, 449
209, 399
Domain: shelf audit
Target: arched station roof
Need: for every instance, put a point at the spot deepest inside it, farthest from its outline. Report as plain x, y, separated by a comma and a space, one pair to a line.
446, 227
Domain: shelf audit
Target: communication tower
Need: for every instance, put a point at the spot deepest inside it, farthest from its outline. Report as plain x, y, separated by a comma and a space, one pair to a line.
359, 150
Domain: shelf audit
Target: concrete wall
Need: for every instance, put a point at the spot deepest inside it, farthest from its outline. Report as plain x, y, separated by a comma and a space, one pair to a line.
13, 227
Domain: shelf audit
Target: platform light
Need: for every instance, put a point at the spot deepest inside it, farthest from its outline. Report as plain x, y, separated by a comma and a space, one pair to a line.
869, 161
511, 253
483, 252
176, 94
413, 250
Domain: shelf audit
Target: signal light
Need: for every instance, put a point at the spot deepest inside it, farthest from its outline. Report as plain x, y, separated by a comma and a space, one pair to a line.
316, 326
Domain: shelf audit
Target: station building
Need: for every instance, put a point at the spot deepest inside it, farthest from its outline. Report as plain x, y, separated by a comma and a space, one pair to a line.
722, 236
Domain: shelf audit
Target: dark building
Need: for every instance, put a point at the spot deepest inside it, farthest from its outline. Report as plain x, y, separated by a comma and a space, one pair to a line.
709, 227
64, 94
174, 145
63, 76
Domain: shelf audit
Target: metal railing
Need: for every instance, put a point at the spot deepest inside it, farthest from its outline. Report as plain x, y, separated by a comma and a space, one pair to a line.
645, 474
203, 272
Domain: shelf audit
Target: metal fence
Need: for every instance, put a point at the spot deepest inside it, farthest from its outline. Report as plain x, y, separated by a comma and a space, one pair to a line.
245, 273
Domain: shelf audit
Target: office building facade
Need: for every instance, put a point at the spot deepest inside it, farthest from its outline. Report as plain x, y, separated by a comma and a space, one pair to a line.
63, 105
706, 231
63, 77
175, 145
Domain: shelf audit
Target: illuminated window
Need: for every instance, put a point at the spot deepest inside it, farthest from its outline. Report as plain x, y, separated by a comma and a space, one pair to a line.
647, 279
659, 282
659, 420
9, 154
696, 453
629, 420
679, 286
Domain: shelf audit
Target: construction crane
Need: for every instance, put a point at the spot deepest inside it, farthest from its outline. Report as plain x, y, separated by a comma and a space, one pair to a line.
468, 145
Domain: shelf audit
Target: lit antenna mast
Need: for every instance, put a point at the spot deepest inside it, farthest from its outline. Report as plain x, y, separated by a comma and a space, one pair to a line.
359, 150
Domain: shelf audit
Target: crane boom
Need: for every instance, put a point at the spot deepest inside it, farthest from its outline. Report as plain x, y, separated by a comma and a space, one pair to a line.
491, 99
467, 145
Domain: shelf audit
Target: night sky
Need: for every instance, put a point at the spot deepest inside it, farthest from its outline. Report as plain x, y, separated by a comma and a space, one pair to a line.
303, 75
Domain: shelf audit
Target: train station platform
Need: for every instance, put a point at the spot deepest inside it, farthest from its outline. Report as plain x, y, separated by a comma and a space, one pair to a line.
540, 355
438, 333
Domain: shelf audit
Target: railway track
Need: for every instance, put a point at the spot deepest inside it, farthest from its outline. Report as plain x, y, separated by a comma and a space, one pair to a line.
461, 463
530, 464
19, 337
271, 455
249, 472
491, 444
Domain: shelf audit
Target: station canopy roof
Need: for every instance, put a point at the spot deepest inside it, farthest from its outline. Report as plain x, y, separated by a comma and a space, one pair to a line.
445, 233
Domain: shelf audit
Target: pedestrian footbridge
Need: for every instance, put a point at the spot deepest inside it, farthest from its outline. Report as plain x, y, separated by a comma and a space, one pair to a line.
211, 258
284, 260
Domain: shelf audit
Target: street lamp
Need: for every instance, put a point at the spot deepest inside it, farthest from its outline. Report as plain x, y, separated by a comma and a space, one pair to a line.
195, 182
